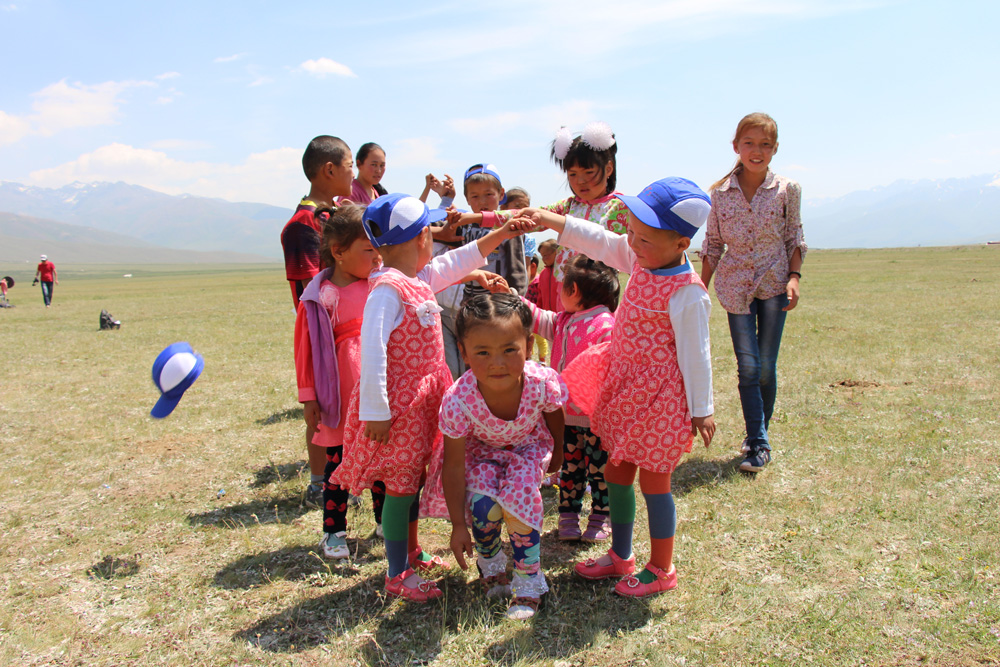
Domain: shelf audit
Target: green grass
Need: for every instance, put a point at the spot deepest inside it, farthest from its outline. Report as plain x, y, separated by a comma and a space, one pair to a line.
871, 539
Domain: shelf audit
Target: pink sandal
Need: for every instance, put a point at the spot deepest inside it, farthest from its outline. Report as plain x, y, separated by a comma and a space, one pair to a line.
424, 565
422, 592
631, 587
594, 571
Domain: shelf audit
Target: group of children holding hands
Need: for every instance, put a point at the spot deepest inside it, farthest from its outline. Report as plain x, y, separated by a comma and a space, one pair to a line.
628, 385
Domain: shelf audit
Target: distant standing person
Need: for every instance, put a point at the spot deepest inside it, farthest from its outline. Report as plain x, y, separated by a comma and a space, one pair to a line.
367, 187
46, 273
329, 167
754, 244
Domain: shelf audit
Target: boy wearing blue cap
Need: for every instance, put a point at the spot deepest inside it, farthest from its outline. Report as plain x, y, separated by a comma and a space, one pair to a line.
392, 419
649, 389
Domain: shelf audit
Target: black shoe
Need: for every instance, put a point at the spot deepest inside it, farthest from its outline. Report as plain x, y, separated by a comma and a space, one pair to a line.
756, 460
313, 496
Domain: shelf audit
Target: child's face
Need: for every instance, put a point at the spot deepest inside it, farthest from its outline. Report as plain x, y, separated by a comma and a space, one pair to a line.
482, 197
755, 149
357, 260
570, 297
340, 175
425, 248
373, 168
532, 270
496, 352
590, 183
655, 248
548, 257
516, 203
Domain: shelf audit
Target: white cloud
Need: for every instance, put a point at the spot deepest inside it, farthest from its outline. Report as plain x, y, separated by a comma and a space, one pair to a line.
573, 113
167, 75
323, 66
179, 144
261, 81
419, 152
13, 128
230, 59
273, 177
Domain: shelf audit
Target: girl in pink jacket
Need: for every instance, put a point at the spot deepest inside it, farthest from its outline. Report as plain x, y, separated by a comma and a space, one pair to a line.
589, 297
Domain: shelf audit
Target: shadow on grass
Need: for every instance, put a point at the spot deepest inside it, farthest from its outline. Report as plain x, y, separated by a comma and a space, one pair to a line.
694, 473
288, 564
392, 632
291, 414
114, 568
272, 473
277, 509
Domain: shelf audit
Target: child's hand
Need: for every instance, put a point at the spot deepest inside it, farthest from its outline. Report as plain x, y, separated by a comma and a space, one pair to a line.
461, 545
792, 290
705, 426
448, 187
544, 218
378, 431
492, 281
310, 410
557, 460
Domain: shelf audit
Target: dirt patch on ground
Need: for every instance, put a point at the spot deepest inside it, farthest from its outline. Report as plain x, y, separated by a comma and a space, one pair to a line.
856, 384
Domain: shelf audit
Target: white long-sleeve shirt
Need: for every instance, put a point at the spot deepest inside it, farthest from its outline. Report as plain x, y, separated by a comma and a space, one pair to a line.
384, 312
689, 307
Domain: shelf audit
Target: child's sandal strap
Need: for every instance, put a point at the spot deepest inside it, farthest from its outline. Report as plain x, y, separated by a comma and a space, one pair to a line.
526, 602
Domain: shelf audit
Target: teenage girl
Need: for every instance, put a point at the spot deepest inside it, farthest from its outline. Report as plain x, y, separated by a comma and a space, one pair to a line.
371, 167
502, 423
392, 418
589, 297
648, 389
328, 358
754, 245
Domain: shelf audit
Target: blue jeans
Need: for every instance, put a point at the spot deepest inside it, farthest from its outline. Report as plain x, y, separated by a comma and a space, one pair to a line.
756, 339
47, 292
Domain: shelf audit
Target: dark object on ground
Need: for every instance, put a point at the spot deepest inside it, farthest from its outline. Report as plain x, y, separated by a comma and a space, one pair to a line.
108, 321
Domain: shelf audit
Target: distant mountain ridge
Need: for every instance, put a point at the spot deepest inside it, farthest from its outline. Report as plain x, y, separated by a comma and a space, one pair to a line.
182, 222
953, 211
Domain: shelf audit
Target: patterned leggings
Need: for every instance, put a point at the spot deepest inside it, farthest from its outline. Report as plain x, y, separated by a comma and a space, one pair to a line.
487, 518
335, 496
583, 461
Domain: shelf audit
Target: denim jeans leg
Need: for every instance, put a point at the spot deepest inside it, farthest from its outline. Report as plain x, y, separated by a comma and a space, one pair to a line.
770, 324
743, 330
47, 292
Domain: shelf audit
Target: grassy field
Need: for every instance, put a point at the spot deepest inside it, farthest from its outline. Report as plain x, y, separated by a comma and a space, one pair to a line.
872, 539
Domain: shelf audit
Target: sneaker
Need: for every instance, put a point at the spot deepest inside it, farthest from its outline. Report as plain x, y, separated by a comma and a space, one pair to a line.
756, 461
334, 546
597, 529
419, 590
569, 526
593, 570
631, 587
313, 496
523, 608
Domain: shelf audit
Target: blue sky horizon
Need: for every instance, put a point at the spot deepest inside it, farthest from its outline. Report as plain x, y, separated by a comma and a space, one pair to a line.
219, 99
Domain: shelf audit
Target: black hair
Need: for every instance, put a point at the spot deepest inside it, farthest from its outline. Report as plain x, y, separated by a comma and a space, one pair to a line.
363, 154
341, 227
533, 260
484, 308
596, 281
582, 156
321, 150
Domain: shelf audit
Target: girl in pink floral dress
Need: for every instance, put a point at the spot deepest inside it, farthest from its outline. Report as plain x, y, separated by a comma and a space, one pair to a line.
648, 389
503, 427
391, 429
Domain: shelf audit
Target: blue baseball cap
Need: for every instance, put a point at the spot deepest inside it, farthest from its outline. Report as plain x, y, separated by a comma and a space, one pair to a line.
175, 369
489, 170
396, 218
672, 203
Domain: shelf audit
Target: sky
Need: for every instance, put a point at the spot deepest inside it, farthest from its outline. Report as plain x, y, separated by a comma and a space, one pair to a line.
220, 98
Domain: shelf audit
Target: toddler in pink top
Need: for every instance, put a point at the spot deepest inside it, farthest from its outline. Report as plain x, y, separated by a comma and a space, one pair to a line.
589, 297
